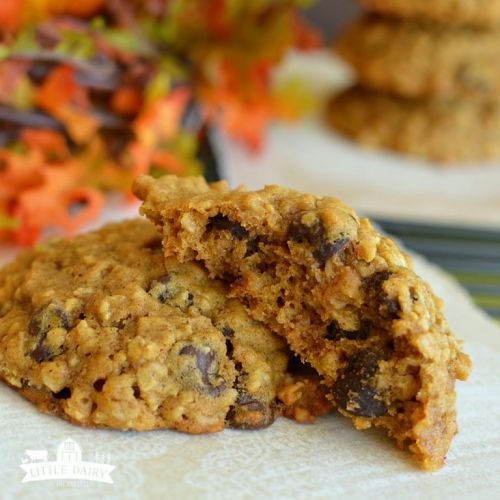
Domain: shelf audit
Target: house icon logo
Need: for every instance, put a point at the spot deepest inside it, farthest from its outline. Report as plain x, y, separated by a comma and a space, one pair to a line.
68, 465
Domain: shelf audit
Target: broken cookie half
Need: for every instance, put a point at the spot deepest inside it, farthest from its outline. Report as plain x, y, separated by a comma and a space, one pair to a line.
344, 297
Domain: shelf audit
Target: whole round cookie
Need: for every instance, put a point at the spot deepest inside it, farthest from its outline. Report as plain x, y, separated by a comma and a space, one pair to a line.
472, 12
102, 331
415, 59
446, 131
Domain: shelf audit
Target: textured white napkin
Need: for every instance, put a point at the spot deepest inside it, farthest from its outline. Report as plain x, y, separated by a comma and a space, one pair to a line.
328, 459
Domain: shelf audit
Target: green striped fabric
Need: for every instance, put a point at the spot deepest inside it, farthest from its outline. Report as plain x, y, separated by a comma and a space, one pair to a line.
471, 255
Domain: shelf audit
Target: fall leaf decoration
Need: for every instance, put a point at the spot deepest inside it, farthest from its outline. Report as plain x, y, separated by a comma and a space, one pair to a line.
95, 93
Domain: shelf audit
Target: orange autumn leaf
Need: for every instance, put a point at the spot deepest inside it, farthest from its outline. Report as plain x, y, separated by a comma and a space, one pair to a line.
15, 14
58, 89
10, 12
126, 101
48, 203
160, 119
166, 161
80, 126
51, 143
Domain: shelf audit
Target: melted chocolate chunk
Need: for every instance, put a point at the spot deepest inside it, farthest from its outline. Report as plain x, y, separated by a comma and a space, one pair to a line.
355, 391
390, 308
159, 289
326, 250
62, 394
249, 402
46, 318
41, 353
224, 223
99, 384
154, 245
189, 299
316, 237
334, 332
204, 361
237, 417
229, 347
376, 279
252, 247
227, 331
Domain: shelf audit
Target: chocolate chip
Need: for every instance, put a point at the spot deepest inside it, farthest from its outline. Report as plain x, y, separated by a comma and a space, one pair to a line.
46, 318
326, 250
263, 267
223, 222
137, 391
62, 394
390, 308
159, 288
315, 236
189, 299
376, 279
41, 353
238, 416
154, 245
229, 348
204, 361
227, 331
99, 384
334, 332
354, 391
249, 402
252, 247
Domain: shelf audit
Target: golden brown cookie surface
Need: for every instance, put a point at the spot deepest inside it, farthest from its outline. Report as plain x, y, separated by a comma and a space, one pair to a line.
344, 297
412, 58
475, 12
442, 130
101, 330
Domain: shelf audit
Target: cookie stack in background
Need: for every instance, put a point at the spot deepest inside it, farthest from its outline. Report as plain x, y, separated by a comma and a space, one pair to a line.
428, 79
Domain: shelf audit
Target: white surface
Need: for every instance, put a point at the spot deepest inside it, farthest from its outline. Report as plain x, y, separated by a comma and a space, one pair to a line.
312, 158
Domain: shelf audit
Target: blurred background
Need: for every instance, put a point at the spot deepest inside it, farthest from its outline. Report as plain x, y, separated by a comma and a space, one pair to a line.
330, 16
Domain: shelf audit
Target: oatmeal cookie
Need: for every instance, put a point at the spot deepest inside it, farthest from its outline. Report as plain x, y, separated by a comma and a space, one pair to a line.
470, 12
344, 297
447, 131
416, 59
103, 331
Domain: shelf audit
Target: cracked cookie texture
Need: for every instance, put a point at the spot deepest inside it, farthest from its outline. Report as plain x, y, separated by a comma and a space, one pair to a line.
413, 58
443, 130
344, 297
103, 331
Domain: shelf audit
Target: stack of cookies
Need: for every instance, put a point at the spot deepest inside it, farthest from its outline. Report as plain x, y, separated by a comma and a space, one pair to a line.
428, 79
229, 309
